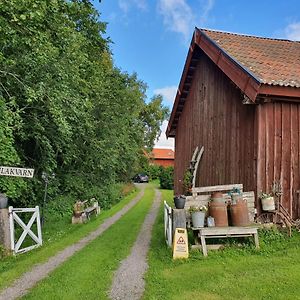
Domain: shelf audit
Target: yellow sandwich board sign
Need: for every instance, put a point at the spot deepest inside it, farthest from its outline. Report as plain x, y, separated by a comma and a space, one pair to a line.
180, 244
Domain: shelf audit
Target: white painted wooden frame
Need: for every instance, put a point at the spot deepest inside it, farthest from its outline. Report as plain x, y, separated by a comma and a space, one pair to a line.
13, 217
168, 223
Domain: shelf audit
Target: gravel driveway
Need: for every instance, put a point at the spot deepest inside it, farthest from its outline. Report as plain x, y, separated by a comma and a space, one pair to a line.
128, 282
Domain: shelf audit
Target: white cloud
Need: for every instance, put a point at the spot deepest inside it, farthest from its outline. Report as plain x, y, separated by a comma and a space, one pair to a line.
168, 93
141, 4
163, 142
207, 7
180, 17
125, 5
292, 31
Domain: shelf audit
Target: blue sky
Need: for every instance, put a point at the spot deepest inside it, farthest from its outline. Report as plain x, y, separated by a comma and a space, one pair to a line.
151, 37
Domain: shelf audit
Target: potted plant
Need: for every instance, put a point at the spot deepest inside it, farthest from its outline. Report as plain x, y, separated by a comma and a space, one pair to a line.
179, 201
235, 195
187, 182
198, 215
267, 201
78, 209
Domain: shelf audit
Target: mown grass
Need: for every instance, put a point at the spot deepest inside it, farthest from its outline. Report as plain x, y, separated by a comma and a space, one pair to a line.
56, 235
88, 274
233, 273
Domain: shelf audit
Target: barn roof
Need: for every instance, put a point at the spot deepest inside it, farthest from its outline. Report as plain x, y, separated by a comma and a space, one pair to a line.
271, 61
158, 153
258, 66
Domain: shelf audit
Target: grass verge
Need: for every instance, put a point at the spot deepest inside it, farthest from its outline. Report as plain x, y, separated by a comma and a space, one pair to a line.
234, 273
88, 274
56, 237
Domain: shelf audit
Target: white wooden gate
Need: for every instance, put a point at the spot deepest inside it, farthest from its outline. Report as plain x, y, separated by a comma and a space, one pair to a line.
13, 217
168, 223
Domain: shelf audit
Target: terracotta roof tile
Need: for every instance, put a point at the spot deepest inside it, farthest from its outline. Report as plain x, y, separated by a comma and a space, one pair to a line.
272, 61
162, 153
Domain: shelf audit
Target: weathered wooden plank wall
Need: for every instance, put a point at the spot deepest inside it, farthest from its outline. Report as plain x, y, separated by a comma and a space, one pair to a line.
214, 117
278, 151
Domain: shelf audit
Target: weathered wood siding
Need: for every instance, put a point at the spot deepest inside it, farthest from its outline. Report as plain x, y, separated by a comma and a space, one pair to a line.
214, 117
278, 157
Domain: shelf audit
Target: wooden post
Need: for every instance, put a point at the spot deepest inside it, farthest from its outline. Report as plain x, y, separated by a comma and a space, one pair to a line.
5, 239
203, 244
179, 219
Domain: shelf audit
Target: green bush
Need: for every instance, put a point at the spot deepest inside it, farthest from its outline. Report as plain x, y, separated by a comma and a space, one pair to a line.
166, 178
59, 208
154, 171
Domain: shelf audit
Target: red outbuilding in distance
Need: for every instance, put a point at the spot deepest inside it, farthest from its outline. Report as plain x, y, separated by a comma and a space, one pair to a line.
162, 157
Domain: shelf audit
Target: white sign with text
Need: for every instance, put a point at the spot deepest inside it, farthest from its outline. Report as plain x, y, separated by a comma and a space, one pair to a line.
16, 172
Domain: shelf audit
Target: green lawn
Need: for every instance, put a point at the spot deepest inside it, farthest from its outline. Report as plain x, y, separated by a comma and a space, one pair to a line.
88, 274
233, 273
56, 236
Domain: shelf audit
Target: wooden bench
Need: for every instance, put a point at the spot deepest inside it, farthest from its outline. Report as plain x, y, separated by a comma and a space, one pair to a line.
223, 232
92, 210
86, 213
89, 211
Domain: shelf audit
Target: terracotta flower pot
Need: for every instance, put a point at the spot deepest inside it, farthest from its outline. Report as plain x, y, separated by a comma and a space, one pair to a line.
77, 214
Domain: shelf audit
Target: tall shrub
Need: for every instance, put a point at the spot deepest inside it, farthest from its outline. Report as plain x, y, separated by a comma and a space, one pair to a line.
166, 178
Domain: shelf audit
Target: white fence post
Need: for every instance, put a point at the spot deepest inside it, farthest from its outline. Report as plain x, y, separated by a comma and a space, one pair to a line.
168, 223
39, 228
12, 228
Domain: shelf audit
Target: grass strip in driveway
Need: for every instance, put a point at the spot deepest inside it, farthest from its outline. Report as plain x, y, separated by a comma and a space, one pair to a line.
12, 267
88, 274
234, 273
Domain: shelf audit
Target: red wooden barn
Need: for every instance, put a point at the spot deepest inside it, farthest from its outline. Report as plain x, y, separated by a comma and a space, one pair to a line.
162, 157
239, 97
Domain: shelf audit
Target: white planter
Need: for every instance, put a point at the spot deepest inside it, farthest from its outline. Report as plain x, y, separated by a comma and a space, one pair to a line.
268, 204
198, 218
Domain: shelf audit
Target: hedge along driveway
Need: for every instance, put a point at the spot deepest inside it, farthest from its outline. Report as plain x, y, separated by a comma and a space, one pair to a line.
13, 267
88, 274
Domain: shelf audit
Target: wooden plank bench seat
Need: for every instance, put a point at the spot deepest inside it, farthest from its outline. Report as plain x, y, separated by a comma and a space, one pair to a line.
95, 209
223, 232
90, 210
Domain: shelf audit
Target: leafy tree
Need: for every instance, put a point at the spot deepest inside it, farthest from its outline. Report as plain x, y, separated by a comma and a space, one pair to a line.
65, 108
153, 114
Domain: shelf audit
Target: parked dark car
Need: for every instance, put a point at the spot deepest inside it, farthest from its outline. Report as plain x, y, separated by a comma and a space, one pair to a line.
141, 178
